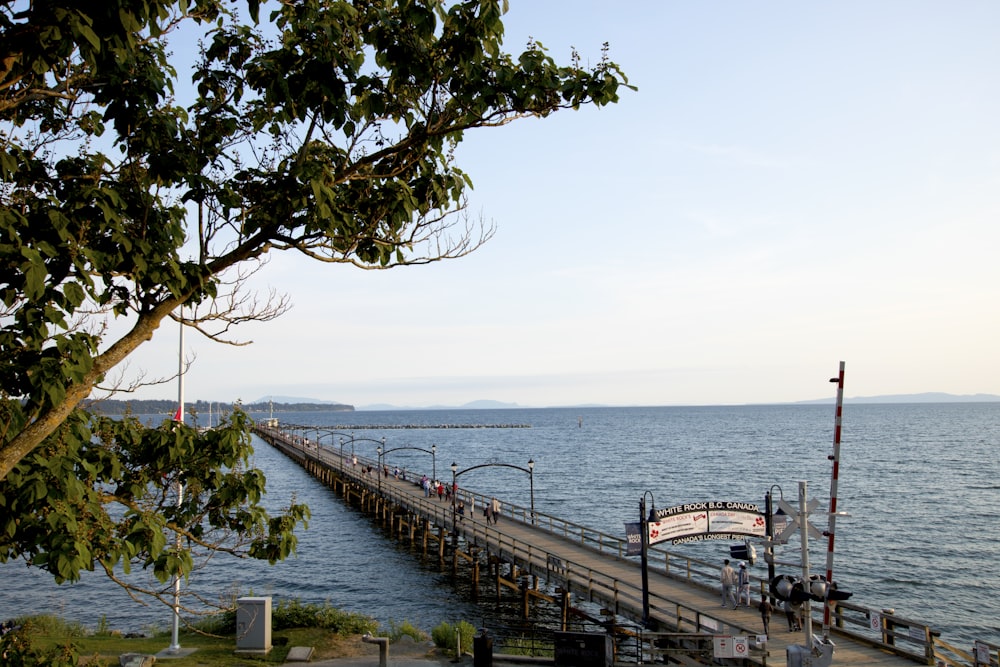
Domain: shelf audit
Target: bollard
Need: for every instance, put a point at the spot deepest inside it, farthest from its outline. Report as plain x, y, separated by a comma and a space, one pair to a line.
383, 648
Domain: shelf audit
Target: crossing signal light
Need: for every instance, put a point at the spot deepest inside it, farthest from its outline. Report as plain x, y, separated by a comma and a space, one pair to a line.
819, 589
787, 587
834, 594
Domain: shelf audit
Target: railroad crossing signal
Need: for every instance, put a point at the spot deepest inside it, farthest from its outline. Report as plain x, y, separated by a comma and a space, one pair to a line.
793, 521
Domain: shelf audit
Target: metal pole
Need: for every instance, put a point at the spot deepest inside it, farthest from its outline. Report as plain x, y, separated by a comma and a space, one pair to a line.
834, 473
531, 482
175, 644
645, 563
769, 529
804, 534
454, 524
434, 462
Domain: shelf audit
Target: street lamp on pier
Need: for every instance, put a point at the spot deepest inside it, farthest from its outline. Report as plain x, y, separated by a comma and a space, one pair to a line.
644, 527
456, 473
342, 443
769, 529
531, 483
454, 509
432, 451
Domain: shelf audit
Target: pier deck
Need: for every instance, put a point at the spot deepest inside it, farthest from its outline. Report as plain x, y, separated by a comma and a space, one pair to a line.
683, 596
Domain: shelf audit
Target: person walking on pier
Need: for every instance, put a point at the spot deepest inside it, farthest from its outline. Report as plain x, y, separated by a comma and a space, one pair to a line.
765, 609
495, 509
743, 585
790, 615
727, 576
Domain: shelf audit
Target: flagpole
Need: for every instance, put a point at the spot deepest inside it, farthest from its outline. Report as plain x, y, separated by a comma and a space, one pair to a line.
175, 645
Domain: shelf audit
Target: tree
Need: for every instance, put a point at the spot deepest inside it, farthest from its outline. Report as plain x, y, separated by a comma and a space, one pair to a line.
326, 128
106, 493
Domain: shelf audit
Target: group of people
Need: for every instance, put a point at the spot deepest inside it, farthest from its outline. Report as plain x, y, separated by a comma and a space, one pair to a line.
445, 492
434, 487
736, 589
491, 511
735, 585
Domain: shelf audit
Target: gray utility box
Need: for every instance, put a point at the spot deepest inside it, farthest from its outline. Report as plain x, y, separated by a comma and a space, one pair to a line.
584, 649
253, 625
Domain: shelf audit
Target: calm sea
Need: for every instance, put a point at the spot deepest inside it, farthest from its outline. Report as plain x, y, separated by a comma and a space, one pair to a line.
921, 484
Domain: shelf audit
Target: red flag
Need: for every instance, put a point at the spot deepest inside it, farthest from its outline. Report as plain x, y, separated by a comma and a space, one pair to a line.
178, 415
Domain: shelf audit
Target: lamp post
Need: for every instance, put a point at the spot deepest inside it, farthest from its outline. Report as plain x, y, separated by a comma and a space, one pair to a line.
342, 443
454, 518
769, 529
456, 473
434, 465
379, 471
531, 483
432, 451
643, 525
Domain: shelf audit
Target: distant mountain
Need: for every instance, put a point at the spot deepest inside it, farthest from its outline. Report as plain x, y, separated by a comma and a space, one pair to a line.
286, 403
169, 406
472, 405
295, 399
926, 397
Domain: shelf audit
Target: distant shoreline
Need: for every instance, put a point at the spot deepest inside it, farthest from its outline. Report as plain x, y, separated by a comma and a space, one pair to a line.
168, 407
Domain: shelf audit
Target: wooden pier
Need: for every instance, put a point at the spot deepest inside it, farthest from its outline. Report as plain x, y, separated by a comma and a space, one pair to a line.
578, 563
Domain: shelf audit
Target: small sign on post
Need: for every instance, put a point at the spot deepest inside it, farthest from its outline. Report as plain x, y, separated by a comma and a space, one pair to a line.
728, 646
982, 651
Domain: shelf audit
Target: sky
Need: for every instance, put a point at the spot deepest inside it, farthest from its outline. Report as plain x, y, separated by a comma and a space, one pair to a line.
791, 186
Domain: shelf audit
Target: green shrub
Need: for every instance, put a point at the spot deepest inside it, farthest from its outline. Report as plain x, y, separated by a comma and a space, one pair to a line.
18, 648
297, 614
444, 636
405, 629
51, 626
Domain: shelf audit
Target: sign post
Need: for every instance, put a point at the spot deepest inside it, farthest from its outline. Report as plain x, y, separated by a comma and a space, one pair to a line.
643, 526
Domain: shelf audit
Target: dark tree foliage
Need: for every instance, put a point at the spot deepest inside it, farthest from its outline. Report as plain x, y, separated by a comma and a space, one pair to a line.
323, 127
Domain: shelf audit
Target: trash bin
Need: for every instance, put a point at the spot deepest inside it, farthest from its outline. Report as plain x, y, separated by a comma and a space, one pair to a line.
482, 650
584, 649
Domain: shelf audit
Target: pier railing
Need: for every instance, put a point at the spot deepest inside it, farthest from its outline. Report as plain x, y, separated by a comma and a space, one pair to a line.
896, 634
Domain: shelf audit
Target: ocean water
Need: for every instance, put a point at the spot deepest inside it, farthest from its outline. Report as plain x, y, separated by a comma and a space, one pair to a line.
921, 483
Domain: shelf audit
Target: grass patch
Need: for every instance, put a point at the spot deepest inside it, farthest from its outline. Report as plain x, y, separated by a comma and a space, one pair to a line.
47, 641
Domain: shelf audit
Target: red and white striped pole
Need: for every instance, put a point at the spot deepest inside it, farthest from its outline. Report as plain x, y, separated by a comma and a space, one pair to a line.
835, 471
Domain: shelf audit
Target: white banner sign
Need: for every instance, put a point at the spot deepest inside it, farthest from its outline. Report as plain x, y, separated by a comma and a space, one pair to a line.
706, 521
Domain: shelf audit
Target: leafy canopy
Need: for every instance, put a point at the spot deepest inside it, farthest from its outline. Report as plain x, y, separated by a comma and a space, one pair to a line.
152, 154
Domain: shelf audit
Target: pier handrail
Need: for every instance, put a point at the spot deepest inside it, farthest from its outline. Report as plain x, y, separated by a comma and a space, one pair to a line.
905, 637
